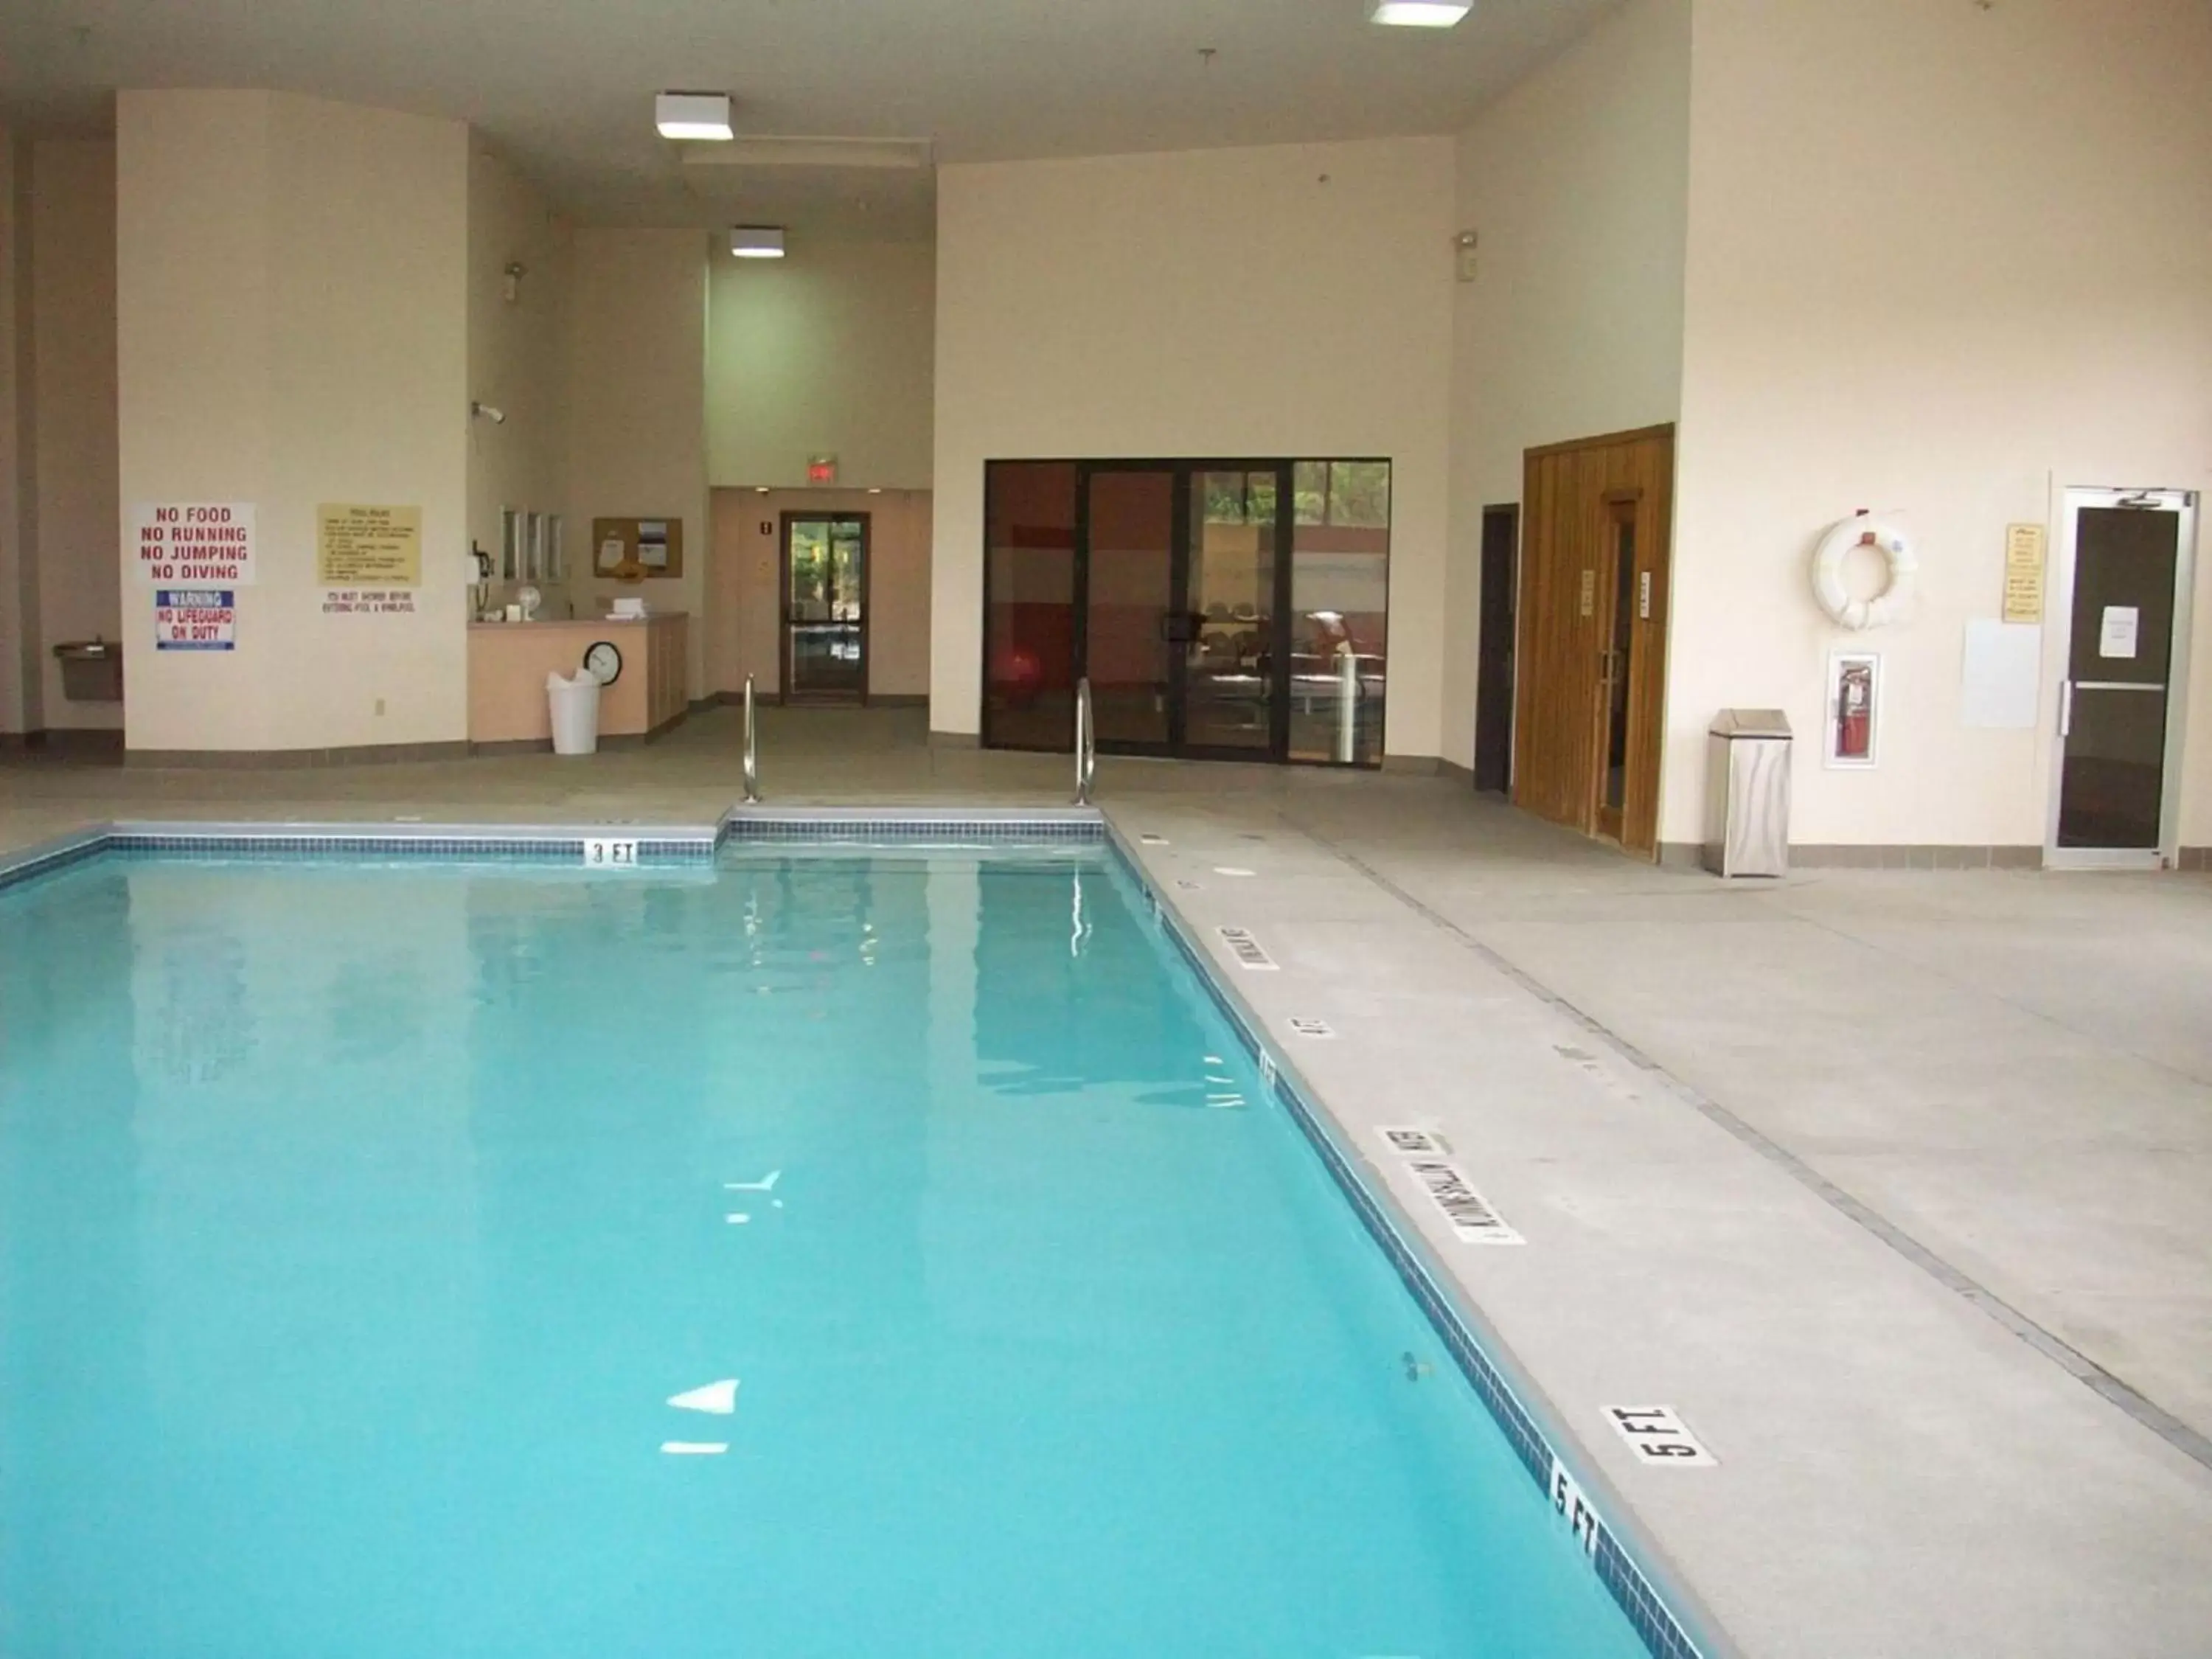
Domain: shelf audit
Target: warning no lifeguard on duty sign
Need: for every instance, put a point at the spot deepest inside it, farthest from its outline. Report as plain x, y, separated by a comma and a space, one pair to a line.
196, 543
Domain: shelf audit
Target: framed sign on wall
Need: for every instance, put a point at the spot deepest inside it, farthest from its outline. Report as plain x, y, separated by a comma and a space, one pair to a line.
633, 550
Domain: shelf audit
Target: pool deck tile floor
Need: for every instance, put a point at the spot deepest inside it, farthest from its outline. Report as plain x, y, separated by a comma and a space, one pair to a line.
1863, 1172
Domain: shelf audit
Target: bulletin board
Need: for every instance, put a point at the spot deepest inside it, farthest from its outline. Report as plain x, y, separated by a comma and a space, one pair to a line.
636, 549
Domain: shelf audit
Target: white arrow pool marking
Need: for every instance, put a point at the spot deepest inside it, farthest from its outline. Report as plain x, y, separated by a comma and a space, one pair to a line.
718, 1398
695, 1448
765, 1184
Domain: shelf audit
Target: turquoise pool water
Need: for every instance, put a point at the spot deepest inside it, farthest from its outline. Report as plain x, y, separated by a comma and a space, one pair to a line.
358, 1224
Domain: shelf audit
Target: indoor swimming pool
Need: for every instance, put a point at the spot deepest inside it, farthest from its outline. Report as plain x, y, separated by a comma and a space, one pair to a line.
800, 1252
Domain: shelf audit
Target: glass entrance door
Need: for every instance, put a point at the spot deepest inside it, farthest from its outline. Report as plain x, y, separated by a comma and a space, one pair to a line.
2115, 725
1231, 655
1617, 627
825, 617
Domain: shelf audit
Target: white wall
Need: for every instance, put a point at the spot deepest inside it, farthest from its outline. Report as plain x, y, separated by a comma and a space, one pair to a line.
1577, 184
828, 350
1941, 259
637, 417
1293, 299
292, 330
73, 344
517, 356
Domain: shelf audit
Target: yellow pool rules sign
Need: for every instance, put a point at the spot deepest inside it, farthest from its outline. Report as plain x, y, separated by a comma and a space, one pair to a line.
368, 546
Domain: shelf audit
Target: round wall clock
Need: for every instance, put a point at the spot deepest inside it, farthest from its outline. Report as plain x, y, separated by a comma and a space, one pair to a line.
603, 662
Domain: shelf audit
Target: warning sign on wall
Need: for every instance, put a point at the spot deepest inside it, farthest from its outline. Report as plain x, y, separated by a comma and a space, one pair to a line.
194, 619
368, 546
188, 542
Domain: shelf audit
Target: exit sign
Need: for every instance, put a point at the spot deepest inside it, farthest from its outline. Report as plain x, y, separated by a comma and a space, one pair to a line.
821, 468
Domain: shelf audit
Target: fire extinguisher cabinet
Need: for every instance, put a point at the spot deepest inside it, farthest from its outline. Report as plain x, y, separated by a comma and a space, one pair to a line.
1748, 793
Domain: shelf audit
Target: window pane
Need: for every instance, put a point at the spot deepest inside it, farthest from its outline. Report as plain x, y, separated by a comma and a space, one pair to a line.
1360, 494
1228, 673
1029, 607
1340, 605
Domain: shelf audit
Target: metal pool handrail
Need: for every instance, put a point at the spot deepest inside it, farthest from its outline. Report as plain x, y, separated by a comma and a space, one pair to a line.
752, 749
1086, 742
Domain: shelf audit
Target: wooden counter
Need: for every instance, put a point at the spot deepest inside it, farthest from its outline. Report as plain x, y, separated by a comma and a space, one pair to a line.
508, 663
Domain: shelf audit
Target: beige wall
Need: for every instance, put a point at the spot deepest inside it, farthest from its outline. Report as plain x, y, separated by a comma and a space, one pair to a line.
1577, 184
73, 339
1946, 260
1293, 299
637, 409
272, 350
748, 594
19, 602
516, 356
828, 350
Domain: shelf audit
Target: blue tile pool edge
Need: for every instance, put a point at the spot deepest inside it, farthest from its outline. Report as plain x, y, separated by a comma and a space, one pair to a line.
658, 845
1663, 1615
1666, 1617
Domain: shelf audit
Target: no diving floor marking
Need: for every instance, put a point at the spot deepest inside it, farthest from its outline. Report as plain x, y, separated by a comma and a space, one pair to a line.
1246, 949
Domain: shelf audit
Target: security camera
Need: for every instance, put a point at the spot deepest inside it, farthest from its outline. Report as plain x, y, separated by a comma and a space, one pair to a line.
497, 417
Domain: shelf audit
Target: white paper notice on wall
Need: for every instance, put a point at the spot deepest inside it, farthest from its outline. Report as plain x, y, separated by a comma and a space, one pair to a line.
2003, 678
2116, 634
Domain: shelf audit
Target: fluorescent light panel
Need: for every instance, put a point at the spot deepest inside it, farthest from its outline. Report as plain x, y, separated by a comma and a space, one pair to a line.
694, 115
1419, 14
756, 241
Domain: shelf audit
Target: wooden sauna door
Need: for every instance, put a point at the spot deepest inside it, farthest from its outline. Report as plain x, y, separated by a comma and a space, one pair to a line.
1591, 656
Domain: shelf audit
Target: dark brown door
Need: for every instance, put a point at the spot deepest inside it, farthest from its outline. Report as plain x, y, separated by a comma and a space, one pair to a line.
1493, 673
2118, 696
1590, 662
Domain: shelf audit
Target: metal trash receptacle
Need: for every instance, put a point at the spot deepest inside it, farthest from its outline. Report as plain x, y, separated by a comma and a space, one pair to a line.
1747, 793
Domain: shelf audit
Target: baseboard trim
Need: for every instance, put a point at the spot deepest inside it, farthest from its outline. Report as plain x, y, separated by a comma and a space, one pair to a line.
493, 750
1461, 775
1874, 855
103, 741
898, 700
366, 754
955, 740
1412, 766
2193, 857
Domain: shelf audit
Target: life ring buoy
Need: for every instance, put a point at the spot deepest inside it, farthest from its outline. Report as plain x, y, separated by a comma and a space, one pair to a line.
1895, 600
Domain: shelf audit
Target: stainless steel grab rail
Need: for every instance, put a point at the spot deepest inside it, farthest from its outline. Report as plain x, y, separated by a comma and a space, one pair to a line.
1086, 742
752, 749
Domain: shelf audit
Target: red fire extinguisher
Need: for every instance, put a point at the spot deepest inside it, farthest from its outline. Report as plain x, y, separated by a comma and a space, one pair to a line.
1854, 711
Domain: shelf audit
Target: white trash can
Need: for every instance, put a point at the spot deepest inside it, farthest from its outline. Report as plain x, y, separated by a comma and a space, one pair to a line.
575, 706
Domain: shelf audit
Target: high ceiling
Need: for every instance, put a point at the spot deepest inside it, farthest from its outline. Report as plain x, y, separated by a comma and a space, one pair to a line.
564, 87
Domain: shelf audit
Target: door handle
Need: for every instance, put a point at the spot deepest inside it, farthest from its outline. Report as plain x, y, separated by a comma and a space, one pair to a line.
2065, 708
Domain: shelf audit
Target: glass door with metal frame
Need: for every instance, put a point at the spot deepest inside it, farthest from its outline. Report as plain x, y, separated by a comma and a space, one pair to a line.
1232, 694
2118, 738
1617, 627
826, 616
1128, 524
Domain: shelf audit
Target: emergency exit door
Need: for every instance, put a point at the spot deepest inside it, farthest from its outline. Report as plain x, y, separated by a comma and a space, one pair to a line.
2125, 588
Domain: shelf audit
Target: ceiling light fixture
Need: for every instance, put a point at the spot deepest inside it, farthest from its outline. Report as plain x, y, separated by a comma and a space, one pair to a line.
756, 241
1418, 13
694, 115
